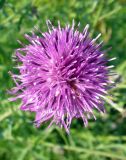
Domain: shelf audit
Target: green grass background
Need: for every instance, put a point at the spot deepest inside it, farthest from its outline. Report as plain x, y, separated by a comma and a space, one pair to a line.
104, 139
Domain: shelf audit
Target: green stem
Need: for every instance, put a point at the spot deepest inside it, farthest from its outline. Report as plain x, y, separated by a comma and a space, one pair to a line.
5, 115
91, 152
109, 14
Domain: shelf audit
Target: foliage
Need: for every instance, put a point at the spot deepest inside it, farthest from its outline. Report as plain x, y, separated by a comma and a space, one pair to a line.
102, 140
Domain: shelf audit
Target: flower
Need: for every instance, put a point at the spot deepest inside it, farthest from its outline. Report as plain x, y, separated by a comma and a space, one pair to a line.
63, 75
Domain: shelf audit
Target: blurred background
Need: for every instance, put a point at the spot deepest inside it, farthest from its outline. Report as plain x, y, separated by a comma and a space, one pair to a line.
104, 139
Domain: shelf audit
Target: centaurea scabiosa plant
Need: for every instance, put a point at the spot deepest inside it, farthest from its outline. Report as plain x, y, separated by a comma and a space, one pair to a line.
63, 75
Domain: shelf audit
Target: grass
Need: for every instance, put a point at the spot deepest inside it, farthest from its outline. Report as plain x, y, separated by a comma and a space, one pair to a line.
104, 139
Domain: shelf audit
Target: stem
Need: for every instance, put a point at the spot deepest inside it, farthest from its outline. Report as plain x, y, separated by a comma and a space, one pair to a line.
5, 115
91, 152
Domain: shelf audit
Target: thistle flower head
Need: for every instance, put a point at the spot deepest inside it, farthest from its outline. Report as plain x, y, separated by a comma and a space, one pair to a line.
63, 75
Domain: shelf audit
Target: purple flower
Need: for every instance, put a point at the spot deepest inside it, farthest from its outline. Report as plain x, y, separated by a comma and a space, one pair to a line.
63, 75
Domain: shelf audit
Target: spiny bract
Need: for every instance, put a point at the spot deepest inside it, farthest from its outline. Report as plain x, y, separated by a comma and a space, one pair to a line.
63, 75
